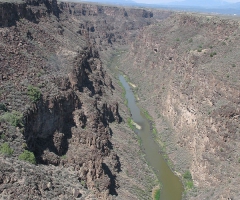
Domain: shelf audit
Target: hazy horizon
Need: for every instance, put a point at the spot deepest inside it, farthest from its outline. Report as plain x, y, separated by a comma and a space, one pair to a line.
231, 7
171, 1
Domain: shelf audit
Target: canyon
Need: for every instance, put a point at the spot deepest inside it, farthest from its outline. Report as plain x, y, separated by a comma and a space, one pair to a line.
186, 69
60, 101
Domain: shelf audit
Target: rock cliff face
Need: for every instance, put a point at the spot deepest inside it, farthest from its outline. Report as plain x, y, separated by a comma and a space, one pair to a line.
54, 85
12, 12
187, 70
106, 26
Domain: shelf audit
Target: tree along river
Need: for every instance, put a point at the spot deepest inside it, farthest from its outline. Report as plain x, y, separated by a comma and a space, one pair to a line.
172, 187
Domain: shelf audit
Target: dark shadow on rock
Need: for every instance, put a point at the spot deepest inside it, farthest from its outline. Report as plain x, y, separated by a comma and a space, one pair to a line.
112, 187
53, 7
47, 130
110, 132
112, 86
59, 147
110, 146
118, 163
120, 118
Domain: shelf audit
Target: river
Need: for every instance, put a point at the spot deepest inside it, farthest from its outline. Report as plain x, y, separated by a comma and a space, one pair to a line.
172, 187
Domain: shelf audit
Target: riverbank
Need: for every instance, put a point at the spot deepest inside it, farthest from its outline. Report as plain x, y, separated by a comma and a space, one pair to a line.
150, 149
145, 130
141, 179
161, 130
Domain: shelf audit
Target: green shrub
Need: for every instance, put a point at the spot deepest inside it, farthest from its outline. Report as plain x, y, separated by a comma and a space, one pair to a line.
2, 136
3, 107
123, 93
24, 145
157, 194
189, 184
154, 131
5, 149
130, 123
83, 183
14, 118
34, 93
147, 115
213, 54
28, 156
188, 180
187, 175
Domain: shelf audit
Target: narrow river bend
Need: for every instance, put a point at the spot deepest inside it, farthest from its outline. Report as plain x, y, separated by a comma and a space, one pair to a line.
172, 187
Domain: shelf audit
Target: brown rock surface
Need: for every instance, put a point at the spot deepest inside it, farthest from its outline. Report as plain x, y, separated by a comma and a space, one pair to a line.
66, 117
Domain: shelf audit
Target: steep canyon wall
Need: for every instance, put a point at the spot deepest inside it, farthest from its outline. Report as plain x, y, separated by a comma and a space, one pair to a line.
187, 72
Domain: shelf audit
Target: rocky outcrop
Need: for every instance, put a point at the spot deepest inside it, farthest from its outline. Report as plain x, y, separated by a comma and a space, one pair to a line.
70, 126
12, 12
109, 26
75, 124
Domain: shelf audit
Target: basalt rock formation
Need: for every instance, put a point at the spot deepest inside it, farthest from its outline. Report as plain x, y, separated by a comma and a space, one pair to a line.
63, 102
12, 12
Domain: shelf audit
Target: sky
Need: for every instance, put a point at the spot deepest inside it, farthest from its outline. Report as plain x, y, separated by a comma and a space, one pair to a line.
167, 1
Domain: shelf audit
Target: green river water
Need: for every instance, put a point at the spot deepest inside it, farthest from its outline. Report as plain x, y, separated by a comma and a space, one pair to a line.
172, 187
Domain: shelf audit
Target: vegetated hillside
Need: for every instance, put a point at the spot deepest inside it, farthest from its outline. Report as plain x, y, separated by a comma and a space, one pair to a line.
187, 69
59, 108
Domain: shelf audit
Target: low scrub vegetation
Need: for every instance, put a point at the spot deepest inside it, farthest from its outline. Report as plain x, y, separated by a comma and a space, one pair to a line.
83, 183
34, 93
188, 180
156, 193
27, 156
213, 54
154, 131
123, 93
3, 107
147, 115
130, 123
14, 118
5, 149
2, 136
